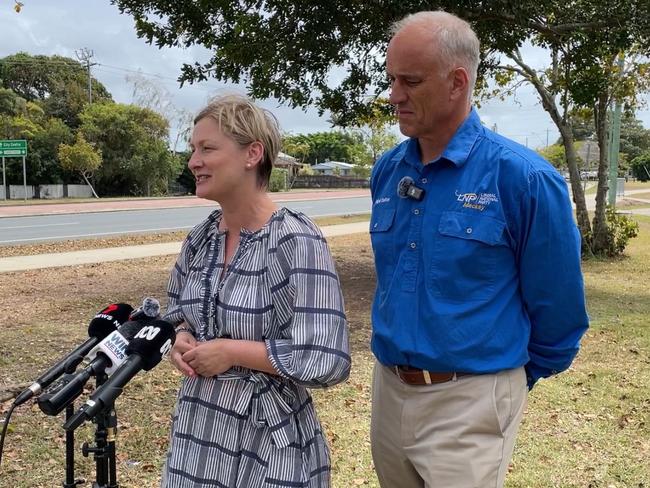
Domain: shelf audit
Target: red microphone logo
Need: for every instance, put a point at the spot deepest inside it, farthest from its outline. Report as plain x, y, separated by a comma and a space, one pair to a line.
111, 308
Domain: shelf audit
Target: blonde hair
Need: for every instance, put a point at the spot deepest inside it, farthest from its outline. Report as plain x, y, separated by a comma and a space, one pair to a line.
243, 121
456, 40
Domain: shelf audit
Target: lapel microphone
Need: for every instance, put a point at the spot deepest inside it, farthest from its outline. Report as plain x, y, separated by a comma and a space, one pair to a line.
406, 188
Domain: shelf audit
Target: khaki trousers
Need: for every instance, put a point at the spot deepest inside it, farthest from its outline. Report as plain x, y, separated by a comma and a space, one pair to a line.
458, 434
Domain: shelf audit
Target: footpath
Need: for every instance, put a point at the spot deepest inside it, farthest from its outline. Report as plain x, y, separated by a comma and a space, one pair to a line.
54, 260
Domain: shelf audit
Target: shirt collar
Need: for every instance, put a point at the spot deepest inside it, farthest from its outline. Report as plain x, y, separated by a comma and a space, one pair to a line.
459, 147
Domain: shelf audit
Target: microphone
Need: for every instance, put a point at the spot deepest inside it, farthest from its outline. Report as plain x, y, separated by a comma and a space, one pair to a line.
150, 309
105, 322
146, 350
406, 188
103, 358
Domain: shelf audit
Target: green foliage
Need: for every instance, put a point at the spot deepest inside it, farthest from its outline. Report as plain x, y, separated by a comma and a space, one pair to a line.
186, 177
57, 83
81, 157
554, 154
133, 142
10, 103
287, 49
361, 170
278, 180
328, 146
621, 229
641, 166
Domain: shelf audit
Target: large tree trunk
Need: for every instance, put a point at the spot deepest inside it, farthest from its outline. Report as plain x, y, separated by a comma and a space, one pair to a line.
564, 126
582, 214
601, 239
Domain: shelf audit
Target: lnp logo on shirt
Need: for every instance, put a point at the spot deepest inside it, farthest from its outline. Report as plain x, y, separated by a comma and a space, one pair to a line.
476, 201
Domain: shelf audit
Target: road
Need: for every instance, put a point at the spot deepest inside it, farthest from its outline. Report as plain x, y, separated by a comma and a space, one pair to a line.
56, 227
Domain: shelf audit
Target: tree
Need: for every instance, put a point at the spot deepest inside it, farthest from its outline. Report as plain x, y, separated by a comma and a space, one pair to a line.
82, 158
641, 166
133, 143
327, 146
57, 83
287, 50
148, 94
555, 154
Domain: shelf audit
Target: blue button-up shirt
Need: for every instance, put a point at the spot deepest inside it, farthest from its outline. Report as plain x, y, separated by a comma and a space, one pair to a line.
483, 273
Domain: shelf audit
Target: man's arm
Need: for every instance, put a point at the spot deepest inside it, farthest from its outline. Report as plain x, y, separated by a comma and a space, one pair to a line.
550, 276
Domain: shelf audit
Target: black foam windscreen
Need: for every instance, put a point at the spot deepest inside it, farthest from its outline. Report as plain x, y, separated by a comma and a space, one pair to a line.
109, 319
152, 342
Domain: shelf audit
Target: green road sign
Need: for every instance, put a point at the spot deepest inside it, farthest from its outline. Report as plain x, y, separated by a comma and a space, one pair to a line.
14, 149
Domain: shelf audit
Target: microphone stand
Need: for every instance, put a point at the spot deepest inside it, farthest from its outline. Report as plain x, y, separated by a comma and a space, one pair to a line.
70, 482
104, 449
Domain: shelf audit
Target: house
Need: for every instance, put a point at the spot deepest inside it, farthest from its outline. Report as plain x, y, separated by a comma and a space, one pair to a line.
333, 168
287, 162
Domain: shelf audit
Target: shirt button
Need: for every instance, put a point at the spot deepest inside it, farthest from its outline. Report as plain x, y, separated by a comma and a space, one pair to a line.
416, 211
413, 245
375, 224
424, 180
468, 230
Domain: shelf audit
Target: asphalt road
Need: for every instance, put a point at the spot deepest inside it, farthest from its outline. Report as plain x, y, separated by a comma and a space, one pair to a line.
42, 228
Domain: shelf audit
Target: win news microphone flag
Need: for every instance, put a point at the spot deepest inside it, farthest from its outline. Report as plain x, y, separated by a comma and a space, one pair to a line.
105, 322
146, 350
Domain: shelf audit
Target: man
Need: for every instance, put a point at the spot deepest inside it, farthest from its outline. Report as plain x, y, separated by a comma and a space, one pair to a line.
479, 289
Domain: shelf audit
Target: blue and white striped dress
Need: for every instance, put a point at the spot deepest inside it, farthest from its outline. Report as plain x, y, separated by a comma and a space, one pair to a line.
246, 428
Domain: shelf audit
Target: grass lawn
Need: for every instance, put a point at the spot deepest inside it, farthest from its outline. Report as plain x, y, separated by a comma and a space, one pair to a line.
586, 428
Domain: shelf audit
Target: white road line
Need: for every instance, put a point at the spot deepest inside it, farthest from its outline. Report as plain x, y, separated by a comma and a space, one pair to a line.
38, 225
96, 234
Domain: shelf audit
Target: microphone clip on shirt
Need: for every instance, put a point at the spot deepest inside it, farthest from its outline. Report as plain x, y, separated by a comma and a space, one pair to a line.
406, 188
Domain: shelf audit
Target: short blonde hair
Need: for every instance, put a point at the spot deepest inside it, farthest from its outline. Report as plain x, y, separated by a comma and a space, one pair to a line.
243, 121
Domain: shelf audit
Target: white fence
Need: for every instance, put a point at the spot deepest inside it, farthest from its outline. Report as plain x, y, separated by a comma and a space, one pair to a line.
51, 191
79, 191
17, 192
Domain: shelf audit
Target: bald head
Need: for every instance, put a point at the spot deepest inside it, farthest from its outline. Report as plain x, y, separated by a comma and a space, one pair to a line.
449, 38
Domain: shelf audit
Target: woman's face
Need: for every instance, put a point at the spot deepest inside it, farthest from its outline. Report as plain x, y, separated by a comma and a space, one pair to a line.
219, 164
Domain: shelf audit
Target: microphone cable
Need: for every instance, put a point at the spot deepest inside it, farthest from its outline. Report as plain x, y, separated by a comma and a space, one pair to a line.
4, 428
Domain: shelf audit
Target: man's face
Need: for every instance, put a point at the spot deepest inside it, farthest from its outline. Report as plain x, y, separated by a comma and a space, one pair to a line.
420, 85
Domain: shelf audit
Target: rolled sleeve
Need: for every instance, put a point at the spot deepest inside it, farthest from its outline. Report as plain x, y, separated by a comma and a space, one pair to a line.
551, 280
313, 349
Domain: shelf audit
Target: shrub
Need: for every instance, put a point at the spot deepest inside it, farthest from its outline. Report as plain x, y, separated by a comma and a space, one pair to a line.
621, 229
641, 166
278, 181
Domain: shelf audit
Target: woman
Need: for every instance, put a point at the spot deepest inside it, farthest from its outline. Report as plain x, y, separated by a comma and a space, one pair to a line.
261, 318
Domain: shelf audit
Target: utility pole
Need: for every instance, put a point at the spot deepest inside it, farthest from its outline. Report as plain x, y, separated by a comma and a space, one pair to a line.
546, 137
84, 55
614, 143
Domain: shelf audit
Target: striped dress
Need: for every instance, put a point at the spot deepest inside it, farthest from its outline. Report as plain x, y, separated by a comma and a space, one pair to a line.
246, 428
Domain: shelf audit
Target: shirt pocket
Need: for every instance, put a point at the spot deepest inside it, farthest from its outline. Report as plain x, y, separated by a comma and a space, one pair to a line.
382, 236
466, 254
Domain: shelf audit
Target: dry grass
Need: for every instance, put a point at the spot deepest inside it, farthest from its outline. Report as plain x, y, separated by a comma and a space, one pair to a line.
588, 428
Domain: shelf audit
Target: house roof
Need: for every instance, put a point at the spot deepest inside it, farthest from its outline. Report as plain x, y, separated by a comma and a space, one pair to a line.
332, 165
286, 160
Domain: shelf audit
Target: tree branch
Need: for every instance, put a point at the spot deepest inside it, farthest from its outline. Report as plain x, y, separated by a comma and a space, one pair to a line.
555, 30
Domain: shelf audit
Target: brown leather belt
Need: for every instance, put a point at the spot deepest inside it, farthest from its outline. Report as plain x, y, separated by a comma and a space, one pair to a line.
414, 376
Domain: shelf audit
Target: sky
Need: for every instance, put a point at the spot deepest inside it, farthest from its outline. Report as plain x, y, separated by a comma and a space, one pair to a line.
63, 27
